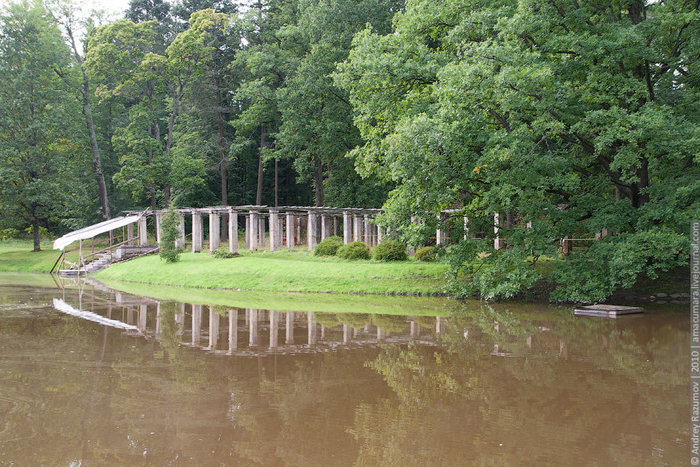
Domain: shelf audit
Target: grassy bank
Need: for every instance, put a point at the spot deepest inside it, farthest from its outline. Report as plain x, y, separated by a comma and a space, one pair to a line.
17, 256
295, 270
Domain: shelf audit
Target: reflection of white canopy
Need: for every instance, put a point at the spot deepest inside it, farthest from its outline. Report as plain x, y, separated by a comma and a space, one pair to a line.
63, 307
93, 231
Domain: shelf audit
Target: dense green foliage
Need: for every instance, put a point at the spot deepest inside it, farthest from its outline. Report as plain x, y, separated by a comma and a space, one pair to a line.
328, 247
354, 250
169, 233
573, 120
426, 254
579, 118
223, 253
390, 250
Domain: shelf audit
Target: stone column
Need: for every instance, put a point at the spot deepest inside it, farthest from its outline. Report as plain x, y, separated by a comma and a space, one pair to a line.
274, 230
213, 328
441, 235
297, 224
311, 231
324, 227
357, 228
214, 231
196, 324
290, 230
347, 227
232, 330
197, 233
232, 231
261, 231
274, 328
311, 328
368, 231
380, 234
346, 333
130, 234
252, 231
335, 226
159, 218
247, 232
289, 328
143, 233
180, 242
497, 244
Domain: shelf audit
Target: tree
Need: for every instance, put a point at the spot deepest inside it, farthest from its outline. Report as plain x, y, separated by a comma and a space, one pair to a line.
170, 232
83, 90
35, 117
317, 130
125, 50
573, 117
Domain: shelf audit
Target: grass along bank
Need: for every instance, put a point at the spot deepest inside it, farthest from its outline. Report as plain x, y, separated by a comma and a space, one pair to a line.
17, 256
293, 271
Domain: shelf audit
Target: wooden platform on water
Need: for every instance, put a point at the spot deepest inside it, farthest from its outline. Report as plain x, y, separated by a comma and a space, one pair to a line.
607, 311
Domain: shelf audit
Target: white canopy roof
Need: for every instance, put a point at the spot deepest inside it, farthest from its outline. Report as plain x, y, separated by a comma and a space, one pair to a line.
93, 231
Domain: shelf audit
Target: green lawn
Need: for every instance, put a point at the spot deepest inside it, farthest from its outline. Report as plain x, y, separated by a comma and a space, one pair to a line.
17, 256
295, 270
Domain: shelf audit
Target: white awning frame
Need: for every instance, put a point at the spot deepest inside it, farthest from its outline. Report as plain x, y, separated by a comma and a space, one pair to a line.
93, 231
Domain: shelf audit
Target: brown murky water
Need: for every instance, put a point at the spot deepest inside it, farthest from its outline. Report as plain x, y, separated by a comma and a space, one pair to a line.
141, 383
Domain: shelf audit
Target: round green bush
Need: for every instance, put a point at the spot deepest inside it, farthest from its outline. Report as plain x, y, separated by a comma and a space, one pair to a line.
354, 250
328, 247
390, 250
427, 254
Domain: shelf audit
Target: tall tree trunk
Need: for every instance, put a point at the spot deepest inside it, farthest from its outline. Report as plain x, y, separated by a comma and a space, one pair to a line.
87, 111
177, 95
318, 180
276, 184
222, 148
263, 135
35, 230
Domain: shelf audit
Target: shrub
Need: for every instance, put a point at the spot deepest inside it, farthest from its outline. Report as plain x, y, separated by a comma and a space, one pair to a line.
169, 232
354, 250
328, 247
390, 250
427, 254
223, 253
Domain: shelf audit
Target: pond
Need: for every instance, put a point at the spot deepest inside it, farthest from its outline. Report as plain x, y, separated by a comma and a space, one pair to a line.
90, 376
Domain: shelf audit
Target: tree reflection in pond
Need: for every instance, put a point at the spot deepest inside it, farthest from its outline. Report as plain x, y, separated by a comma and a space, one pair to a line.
604, 391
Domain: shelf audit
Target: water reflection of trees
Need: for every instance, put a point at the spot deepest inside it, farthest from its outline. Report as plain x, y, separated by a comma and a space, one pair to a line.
519, 408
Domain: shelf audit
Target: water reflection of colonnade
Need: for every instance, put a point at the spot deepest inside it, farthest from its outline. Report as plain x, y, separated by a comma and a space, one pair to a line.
249, 331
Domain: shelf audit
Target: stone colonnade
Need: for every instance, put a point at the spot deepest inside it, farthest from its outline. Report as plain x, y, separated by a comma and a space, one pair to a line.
266, 227
283, 227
